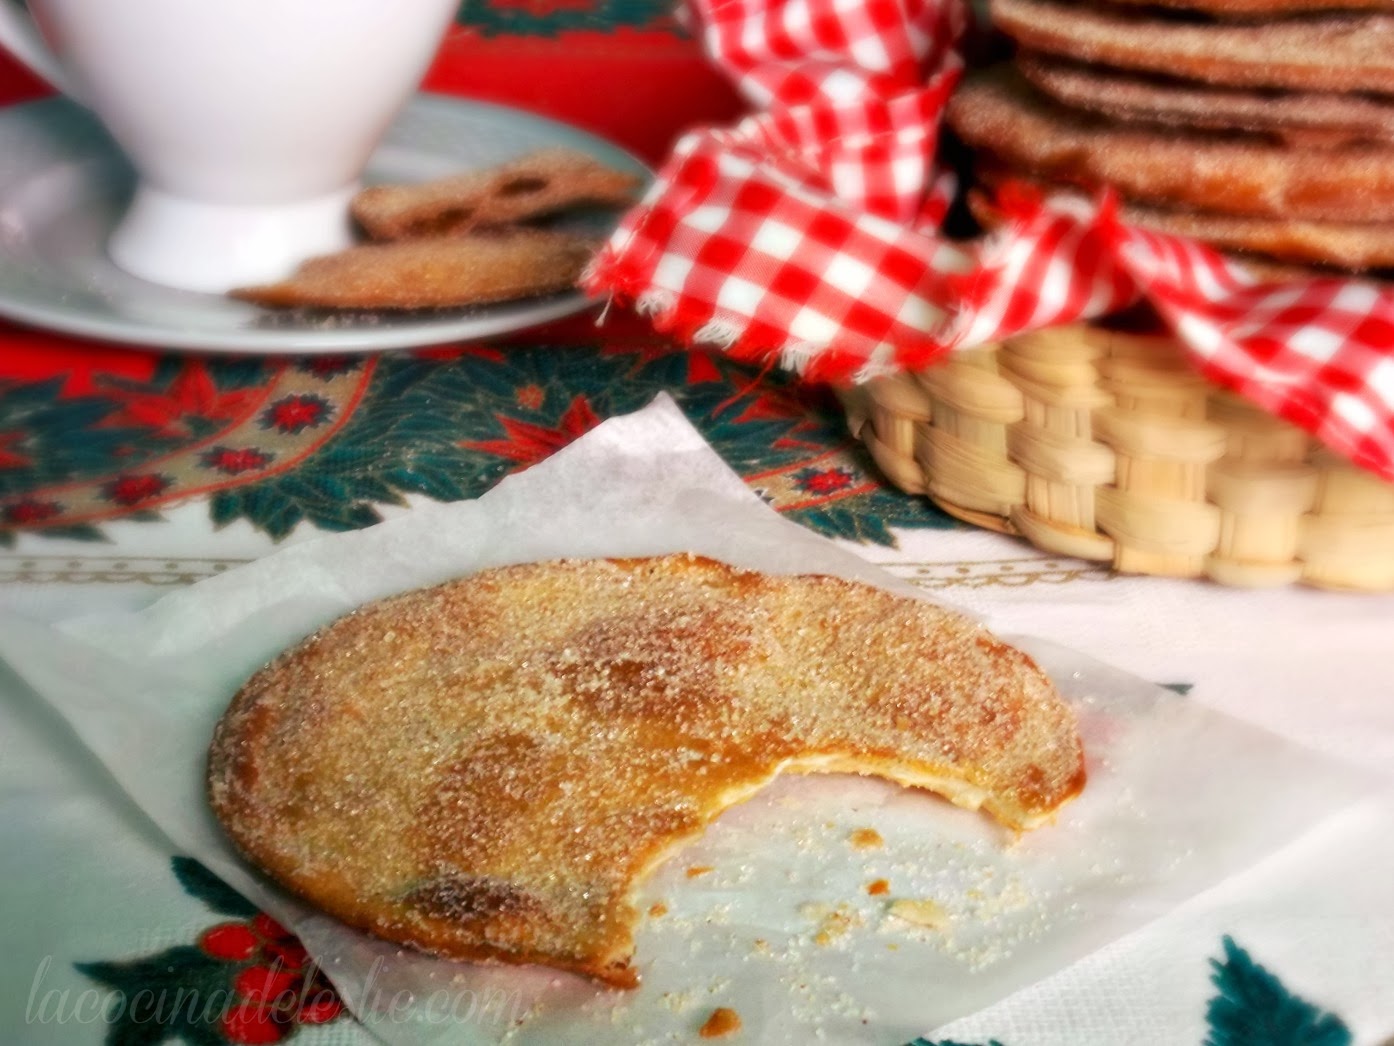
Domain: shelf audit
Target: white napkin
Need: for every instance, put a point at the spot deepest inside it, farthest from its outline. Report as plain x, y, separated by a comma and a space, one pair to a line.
782, 929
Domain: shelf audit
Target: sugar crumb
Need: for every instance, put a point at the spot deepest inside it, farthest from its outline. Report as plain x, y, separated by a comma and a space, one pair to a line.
835, 923
678, 1002
723, 1021
866, 839
926, 913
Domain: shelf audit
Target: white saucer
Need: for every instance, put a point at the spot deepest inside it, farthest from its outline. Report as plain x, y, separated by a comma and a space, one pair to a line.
63, 185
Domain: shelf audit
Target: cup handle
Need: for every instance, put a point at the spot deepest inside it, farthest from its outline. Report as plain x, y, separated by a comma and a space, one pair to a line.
21, 37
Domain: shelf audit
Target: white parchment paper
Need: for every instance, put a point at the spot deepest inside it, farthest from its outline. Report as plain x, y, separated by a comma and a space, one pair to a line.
770, 912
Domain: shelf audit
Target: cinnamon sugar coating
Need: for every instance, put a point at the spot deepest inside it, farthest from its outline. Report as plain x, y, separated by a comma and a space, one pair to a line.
1298, 118
1000, 114
1270, 247
485, 769
1257, 9
1342, 51
475, 269
533, 186
1349, 247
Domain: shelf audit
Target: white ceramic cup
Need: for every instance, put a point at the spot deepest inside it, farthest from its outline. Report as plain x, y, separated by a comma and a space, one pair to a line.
248, 122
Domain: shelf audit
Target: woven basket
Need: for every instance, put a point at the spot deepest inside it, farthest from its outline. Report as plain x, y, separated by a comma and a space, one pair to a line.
1108, 446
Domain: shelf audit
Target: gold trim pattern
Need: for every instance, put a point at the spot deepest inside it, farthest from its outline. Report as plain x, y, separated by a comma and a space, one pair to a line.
110, 570
169, 571
1009, 573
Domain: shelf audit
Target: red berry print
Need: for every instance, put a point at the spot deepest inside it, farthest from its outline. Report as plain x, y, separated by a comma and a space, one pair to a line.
287, 954
267, 985
276, 985
269, 928
321, 1008
231, 942
253, 1025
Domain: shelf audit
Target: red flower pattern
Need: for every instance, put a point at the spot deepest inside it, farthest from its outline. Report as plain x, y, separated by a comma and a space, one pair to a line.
252, 1025
294, 414
192, 394
235, 461
133, 489
528, 443
825, 481
28, 512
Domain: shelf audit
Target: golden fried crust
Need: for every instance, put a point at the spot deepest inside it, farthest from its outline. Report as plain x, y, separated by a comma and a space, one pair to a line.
1266, 244
1353, 248
1274, 252
476, 269
1297, 118
532, 186
485, 769
1335, 52
999, 113
1252, 9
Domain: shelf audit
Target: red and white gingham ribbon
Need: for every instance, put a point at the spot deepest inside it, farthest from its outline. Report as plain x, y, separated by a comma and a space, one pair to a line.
808, 234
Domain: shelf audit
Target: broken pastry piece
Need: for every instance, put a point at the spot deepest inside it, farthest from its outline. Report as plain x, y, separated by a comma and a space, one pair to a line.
486, 769
535, 186
477, 269
458, 241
